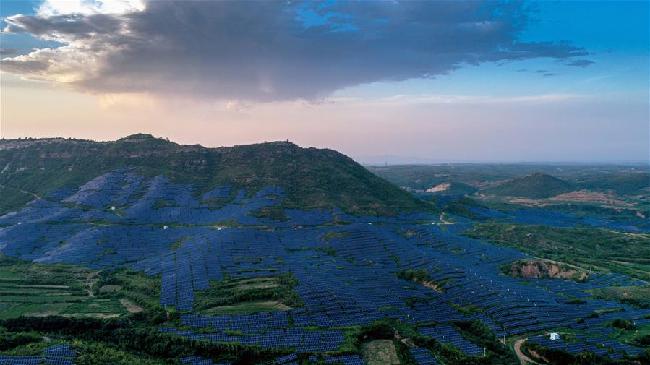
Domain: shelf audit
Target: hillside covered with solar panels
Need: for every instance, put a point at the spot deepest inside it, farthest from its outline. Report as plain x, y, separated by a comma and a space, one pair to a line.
143, 251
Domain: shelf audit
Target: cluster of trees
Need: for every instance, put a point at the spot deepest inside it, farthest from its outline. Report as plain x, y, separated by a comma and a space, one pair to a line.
419, 275
134, 334
585, 358
475, 331
11, 340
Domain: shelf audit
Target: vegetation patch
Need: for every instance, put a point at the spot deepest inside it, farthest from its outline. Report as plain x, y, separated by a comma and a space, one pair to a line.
126, 340
624, 324
136, 290
29, 289
328, 250
591, 249
422, 277
275, 213
13, 198
334, 235
634, 295
380, 352
248, 295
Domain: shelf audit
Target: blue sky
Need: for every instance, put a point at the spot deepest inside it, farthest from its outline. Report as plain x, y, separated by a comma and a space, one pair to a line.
567, 80
616, 34
599, 26
24, 42
11, 7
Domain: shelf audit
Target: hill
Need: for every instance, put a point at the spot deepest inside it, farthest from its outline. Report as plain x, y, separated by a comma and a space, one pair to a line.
622, 183
535, 186
310, 177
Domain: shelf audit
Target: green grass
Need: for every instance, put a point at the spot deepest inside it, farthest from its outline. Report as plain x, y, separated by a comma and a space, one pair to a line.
635, 295
28, 289
12, 199
634, 336
139, 288
589, 248
33, 348
232, 296
89, 353
248, 307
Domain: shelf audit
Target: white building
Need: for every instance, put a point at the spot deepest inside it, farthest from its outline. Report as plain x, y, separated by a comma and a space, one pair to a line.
554, 336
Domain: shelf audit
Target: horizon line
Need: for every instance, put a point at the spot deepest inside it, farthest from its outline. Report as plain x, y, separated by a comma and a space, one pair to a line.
414, 160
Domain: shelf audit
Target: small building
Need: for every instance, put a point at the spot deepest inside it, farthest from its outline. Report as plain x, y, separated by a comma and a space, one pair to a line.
554, 336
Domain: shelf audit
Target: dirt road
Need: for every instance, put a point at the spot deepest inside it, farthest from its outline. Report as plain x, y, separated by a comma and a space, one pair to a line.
523, 359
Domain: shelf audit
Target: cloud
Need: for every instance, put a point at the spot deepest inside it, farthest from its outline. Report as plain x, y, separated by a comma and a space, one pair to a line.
67, 28
267, 51
580, 63
461, 100
86, 7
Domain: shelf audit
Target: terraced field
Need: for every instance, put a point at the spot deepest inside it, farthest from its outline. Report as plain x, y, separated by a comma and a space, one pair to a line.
45, 290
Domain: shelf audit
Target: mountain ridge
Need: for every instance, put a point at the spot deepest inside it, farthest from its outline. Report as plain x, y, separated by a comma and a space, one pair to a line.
311, 177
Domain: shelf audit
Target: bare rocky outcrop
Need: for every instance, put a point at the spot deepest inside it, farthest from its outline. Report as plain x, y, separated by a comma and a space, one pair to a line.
438, 188
545, 269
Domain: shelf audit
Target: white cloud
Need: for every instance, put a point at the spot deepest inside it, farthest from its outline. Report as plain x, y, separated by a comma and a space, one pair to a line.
88, 7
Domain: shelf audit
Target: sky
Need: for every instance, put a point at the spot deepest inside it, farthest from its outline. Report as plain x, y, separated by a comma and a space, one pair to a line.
381, 81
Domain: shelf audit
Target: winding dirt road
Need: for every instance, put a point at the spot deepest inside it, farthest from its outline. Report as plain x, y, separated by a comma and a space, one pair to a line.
523, 359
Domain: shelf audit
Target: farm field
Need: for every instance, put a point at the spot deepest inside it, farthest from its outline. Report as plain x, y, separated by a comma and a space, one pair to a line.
46, 290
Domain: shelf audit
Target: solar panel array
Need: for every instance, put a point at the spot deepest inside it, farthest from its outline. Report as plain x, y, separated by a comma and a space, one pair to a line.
555, 218
422, 356
599, 345
346, 274
196, 360
447, 334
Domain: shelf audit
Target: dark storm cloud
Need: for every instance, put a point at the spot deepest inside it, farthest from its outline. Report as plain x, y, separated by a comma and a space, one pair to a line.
265, 51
